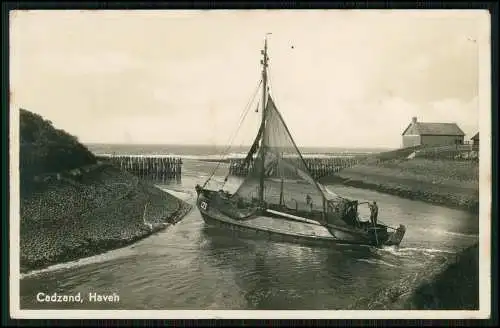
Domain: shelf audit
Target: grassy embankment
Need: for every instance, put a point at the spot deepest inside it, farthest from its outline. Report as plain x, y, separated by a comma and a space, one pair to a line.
73, 206
442, 182
450, 283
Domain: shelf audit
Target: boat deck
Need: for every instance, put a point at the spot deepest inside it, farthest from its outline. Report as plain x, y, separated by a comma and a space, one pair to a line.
279, 227
286, 226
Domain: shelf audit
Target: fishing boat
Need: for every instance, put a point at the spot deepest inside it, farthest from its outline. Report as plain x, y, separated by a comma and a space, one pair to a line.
279, 186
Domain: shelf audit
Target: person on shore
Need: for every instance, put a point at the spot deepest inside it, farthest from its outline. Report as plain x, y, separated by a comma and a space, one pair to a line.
373, 212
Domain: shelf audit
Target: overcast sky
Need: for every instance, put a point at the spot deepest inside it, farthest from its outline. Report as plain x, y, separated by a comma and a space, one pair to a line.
352, 78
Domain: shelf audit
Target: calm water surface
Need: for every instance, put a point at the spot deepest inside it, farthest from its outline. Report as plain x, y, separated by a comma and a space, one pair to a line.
189, 266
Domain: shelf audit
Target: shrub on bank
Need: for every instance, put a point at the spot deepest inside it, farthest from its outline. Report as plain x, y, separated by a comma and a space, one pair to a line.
45, 149
72, 206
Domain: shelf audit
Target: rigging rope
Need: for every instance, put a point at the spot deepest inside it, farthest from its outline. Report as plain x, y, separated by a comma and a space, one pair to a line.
242, 118
269, 74
241, 143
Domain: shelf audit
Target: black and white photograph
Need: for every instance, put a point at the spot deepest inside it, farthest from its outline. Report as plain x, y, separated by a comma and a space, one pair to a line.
250, 164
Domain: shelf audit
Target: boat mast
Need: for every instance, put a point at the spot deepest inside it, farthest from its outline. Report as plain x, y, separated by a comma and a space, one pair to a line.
281, 191
263, 61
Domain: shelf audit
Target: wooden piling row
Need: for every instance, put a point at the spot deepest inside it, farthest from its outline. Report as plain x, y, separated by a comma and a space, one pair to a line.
319, 167
148, 167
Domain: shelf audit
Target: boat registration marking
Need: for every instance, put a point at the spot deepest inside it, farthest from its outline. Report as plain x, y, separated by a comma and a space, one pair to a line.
203, 205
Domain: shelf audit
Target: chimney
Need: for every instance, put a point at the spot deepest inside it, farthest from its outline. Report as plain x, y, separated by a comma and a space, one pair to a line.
414, 120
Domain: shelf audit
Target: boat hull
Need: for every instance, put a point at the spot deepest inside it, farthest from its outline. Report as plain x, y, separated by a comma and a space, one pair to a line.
215, 218
268, 234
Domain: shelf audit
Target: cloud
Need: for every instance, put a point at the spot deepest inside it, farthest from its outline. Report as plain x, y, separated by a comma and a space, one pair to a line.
352, 78
465, 114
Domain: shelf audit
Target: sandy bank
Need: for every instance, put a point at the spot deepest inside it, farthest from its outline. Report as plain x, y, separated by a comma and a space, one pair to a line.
450, 283
449, 183
67, 219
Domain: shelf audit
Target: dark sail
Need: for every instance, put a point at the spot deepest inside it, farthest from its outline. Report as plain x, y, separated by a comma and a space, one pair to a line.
280, 186
253, 149
287, 180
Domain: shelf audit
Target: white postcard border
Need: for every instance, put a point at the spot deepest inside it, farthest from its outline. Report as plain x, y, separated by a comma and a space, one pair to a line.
484, 237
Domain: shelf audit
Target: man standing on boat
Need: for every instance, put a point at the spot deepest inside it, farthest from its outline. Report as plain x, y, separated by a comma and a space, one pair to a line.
373, 212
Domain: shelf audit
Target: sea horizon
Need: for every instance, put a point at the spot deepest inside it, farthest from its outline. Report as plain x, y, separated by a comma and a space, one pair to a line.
195, 151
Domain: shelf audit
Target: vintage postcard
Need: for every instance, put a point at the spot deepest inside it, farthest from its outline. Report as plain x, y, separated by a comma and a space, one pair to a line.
250, 164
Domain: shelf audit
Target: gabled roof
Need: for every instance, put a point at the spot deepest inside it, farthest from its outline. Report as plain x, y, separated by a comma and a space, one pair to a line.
475, 137
435, 129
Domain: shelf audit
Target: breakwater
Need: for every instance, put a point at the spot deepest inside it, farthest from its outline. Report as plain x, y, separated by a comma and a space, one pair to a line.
152, 167
319, 167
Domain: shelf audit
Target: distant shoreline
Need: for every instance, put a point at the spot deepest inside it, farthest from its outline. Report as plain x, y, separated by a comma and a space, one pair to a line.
223, 147
213, 150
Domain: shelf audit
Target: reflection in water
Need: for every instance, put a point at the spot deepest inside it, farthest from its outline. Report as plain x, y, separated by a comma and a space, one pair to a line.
285, 276
192, 266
